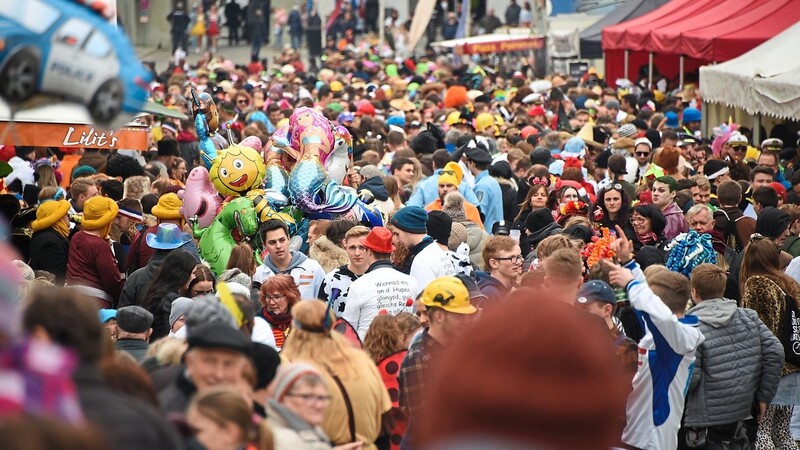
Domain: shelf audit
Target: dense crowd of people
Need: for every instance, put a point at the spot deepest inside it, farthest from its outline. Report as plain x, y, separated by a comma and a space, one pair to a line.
564, 263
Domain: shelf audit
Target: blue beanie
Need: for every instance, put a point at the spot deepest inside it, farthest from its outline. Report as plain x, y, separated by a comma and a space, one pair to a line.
411, 219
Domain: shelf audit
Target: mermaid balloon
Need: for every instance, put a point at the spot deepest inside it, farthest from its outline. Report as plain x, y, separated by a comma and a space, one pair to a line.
238, 219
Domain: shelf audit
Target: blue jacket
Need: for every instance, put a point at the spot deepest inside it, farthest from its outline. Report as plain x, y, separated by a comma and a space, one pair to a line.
490, 199
427, 191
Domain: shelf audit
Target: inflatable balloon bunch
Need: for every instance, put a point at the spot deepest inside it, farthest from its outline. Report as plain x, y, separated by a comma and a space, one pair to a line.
307, 161
296, 177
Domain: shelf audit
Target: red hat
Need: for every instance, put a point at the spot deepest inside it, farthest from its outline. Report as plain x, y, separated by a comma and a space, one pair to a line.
536, 111
379, 240
779, 189
365, 109
530, 130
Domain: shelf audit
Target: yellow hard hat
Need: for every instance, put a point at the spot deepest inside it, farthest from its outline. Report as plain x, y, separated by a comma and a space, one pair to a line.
483, 121
449, 294
453, 118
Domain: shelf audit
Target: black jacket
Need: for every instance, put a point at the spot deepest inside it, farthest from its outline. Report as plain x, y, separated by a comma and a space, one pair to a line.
49, 251
128, 423
137, 283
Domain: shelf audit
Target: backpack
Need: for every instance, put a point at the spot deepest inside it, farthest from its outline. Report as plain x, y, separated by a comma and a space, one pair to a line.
790, 331
792, 246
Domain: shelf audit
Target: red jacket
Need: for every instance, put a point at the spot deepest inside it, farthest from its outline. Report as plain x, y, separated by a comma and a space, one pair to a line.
92, 264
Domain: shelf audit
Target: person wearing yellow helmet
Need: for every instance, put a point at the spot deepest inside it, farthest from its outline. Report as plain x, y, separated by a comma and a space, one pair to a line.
448, 311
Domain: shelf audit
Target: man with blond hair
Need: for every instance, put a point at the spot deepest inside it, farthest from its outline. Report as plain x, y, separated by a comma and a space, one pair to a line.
502, 261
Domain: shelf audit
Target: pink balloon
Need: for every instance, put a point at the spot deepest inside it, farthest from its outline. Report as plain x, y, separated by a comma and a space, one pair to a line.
199, 198
253, 142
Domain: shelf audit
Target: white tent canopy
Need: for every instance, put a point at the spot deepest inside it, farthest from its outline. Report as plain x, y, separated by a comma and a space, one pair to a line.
765, 80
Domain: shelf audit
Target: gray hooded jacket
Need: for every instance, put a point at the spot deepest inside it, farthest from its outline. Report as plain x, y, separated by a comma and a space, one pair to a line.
739, 361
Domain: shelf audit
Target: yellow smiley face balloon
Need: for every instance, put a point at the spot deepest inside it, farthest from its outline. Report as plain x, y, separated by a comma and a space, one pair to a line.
237, 170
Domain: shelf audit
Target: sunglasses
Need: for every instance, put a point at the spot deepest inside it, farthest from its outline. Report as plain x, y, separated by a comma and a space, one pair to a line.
449, 172
739, 148
642, 153
242, 102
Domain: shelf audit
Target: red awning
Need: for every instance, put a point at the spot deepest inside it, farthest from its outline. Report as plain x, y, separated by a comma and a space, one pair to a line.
702, 31
667, 39
614, 37
741, 33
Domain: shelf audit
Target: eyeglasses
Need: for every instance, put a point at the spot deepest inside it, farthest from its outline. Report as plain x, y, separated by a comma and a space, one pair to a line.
514, 259
275, 298
311, 398
642, 153
637, 219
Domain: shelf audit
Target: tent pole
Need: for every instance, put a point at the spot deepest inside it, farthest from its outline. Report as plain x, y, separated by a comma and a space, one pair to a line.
650, 72
680, 84
626, 64
757, 130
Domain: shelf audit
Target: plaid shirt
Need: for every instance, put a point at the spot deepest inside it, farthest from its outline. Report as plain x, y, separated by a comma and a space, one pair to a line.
413, 388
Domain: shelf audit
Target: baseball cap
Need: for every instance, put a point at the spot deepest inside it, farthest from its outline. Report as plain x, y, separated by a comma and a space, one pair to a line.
596, 291
449, 294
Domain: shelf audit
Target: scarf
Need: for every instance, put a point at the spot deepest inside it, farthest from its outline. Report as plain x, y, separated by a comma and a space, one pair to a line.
647, 238
279, 321
61, 228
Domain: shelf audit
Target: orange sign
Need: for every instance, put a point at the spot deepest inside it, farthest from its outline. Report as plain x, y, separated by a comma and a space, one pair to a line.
42, 134
514, 45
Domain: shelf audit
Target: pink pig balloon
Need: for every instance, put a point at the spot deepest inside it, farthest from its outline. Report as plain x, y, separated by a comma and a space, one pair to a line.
253, 142
200, 198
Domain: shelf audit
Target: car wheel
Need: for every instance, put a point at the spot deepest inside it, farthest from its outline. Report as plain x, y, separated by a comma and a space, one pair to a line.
20, 77
106, 102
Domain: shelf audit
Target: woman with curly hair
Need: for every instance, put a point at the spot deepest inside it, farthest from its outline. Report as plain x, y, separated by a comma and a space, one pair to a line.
387, 343
277, 297
349, 373
764, 288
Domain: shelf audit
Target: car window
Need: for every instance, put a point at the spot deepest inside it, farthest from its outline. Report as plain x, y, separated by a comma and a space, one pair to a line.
97, 45
73, 33
34, 15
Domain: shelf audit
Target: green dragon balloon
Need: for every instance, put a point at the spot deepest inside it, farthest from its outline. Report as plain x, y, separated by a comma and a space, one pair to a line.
216, 242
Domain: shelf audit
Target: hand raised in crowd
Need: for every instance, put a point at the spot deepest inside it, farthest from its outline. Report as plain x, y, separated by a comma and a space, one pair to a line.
618, 276
622, 246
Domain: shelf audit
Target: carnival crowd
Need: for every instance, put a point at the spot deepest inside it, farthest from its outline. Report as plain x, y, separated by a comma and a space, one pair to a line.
565, 262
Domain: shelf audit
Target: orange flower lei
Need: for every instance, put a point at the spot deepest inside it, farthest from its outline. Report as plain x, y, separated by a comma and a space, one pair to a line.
599, 248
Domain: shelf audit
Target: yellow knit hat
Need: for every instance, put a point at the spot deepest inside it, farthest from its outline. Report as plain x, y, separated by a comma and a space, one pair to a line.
168, 207
98, 212
456, 169
48, 213
448, 177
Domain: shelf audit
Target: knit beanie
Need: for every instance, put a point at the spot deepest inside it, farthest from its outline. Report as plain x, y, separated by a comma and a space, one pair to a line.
772, 222
439, 226
454, 207
448, 177
458, 235
287, 375
206, 310
628, 130
50, 213
25, 271
267, 361
180, 306
538, 219
411, 219
236, 276
168, 147
168, 207
543, 331
98, 213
